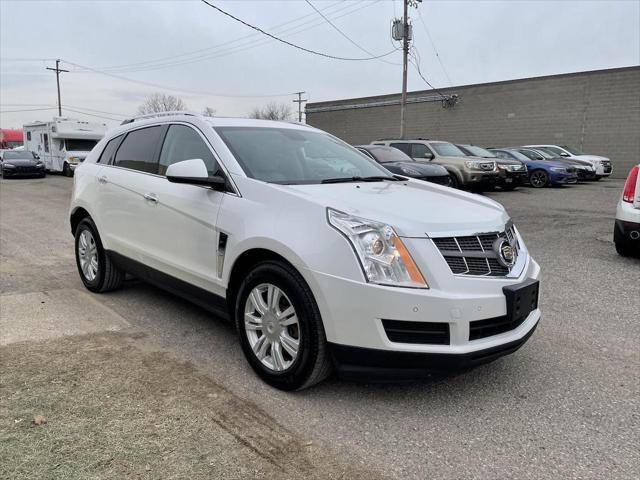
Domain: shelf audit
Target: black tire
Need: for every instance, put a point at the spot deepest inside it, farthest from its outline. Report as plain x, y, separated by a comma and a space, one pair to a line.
454, 181
539, 178
596, 178
108, 277
42, 175
66, 170
625, 249
312, 363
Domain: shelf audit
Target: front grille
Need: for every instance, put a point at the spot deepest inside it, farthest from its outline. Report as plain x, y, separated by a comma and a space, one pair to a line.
475, 254
571, 170
607, 166
431, 333
487, 166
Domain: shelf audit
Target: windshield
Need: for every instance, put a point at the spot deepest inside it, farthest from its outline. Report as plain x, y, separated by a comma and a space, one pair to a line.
79, 144
571, 150
479, 151
447, 149
518, 155
389, 154
19, 155
291, 156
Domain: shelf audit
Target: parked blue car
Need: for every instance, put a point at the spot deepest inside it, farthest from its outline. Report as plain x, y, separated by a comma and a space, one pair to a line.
542, 173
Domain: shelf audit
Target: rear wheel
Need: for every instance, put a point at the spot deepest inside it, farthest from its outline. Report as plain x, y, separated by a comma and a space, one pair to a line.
97, 271
539, 179
454, 183
280, 327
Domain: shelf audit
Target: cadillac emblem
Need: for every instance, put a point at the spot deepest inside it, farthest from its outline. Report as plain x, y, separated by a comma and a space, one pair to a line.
504, 250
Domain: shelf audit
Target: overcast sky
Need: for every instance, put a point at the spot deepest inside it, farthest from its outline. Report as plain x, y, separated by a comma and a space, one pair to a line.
188, 49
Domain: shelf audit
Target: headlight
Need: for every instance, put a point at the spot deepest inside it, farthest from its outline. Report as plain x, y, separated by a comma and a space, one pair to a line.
73, 159
410, 171
559, 169
502, 167
8, 165
383, 257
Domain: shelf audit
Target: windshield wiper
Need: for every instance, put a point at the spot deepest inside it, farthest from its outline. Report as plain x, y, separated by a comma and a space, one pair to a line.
358, 179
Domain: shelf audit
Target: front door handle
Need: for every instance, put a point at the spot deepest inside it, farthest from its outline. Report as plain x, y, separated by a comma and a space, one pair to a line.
102, 179
151, 197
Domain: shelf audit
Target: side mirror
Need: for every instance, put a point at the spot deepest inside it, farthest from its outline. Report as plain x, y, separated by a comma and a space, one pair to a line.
428, 155
564, 154
194, 172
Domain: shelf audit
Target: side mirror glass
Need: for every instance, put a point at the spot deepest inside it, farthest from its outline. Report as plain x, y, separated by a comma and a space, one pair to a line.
428, 155
194, 172
564, 154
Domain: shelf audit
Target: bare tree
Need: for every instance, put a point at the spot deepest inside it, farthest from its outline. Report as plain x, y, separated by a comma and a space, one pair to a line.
272, 111
209, 112
160, 102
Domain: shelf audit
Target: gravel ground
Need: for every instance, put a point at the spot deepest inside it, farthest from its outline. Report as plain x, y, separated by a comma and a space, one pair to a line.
564, 406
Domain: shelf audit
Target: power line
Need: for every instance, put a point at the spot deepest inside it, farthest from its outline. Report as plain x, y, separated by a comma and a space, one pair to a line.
344, 34
433, 45
28, 110
416, 63
304, 49
94, 115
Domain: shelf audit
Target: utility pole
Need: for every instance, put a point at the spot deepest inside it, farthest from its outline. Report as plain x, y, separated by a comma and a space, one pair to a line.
300, 101
405, 55
58, 70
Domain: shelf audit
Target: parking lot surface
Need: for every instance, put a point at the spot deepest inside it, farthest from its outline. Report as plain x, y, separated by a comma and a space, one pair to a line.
564, 406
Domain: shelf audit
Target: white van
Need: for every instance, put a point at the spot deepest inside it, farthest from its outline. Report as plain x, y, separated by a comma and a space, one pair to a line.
62, 143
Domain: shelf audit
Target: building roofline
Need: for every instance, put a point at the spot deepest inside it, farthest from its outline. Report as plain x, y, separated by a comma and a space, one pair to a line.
450, 90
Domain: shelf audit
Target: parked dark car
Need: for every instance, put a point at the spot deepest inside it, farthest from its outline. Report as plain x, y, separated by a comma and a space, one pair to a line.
512, 172
542, 173
584, 169
398, 162
16, 163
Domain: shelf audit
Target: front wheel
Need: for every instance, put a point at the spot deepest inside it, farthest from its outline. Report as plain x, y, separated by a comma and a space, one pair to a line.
539, 179
66, 170
280, 327
97, 271
453, 183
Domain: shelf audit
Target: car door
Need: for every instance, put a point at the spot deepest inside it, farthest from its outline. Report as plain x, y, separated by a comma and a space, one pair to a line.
125, 205
182, 240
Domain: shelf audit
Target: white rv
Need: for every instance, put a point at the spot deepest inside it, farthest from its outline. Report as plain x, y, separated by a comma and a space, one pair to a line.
63, 142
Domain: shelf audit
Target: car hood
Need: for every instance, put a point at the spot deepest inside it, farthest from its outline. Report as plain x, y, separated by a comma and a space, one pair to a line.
21, 162
413, 208
425, 169
590, 157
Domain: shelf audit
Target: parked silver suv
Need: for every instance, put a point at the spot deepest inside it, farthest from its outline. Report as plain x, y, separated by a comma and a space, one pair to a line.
474, 173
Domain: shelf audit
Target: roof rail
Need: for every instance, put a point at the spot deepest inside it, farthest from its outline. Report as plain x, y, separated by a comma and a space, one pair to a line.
159, 114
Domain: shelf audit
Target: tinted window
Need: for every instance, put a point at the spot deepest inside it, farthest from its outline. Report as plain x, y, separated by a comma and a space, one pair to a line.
403, 147
45, 140
555, 150
80, 144
418, 150
109, 151
28, 135
138, 150
531, 154
184, 143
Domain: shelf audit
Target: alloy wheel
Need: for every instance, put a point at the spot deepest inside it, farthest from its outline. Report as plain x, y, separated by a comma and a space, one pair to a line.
88, 255
272, 327
538, 179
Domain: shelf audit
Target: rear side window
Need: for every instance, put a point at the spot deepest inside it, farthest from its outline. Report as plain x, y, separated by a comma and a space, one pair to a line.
110, 150
184, 143
403, 147
138, 150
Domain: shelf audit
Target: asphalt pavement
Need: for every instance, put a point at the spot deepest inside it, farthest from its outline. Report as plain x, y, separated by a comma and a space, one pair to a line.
564, 406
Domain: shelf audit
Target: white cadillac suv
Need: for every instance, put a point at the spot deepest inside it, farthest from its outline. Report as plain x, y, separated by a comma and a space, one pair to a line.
626, 233
322, 258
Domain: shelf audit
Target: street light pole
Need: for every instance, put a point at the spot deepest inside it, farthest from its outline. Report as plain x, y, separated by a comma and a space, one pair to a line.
405, 54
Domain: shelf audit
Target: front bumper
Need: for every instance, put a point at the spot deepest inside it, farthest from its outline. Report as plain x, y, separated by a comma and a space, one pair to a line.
562, 178
585, 175
383, 365
22, 171
513, 178
479, 178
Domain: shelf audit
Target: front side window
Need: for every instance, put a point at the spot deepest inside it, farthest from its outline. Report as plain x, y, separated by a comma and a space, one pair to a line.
554, 150
419, 150
109, 151
292, 156
447, 149
531, 154
79, 144
184, 143
571, 150
138, 150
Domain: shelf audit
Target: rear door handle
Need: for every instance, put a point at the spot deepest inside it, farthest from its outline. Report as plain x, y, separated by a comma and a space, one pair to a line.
151, 197
102, 179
